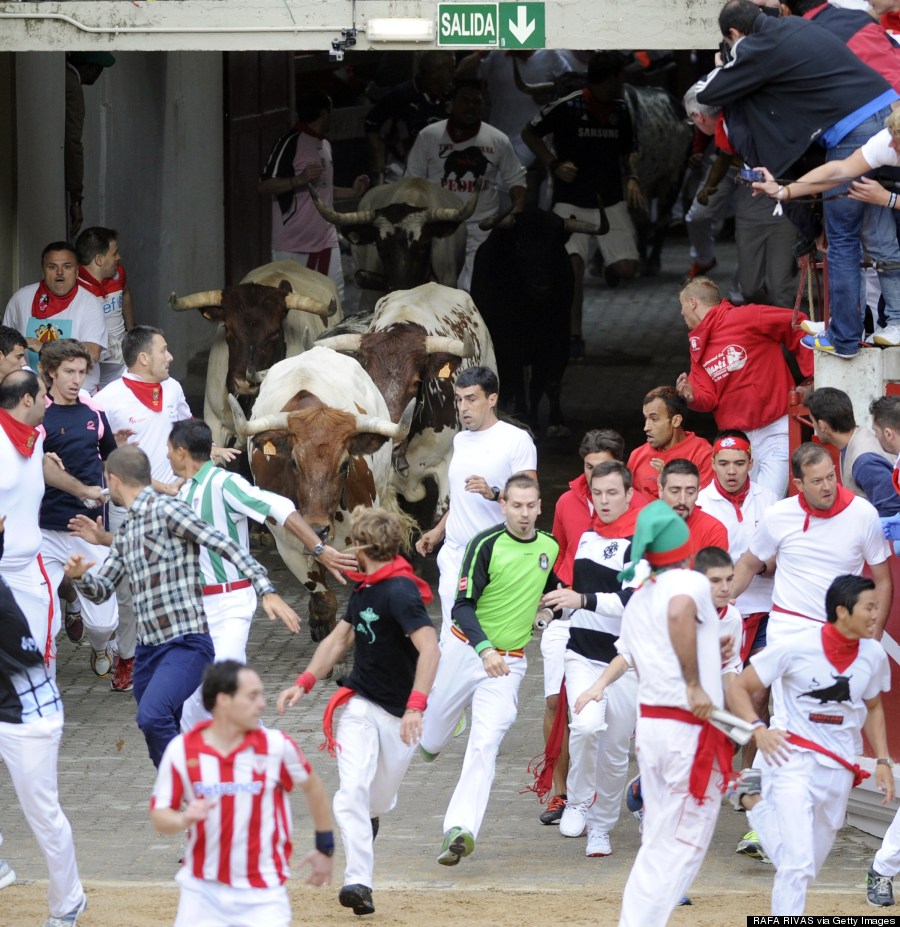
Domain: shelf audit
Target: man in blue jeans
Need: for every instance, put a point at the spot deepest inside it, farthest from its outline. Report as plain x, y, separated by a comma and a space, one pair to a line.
157, 547
790, 82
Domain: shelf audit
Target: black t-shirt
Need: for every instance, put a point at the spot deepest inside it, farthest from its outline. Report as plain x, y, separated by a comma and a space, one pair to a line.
83, 439
594, 139
409, 109
26, 690
383, 616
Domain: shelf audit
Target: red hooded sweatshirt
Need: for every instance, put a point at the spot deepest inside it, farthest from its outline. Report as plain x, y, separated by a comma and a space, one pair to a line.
737, 369
645, 475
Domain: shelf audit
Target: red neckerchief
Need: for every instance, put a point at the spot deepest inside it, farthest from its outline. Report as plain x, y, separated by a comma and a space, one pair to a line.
623, 527
308, 130
460, 133
735, 498
397, 567
45, 305
843, 498
22, 436
895, 478
341, 695
90, 282
147, 394
600, 111
840, 651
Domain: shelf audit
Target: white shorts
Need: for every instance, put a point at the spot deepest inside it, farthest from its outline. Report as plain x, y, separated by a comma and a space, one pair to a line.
618, 244
554, 641
212, 904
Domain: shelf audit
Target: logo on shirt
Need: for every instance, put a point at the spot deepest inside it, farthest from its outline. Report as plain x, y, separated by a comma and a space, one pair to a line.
91, 425
48, 332
610, 550
694, 342
544, 562
818, 718
368, 617
727, 361
838, 691
464, 584
201, 790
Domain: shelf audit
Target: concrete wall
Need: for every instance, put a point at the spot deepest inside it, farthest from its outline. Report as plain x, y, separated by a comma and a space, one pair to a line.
153, 171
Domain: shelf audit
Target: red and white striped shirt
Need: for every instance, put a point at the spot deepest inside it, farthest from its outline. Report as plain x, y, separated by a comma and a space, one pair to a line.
245, 842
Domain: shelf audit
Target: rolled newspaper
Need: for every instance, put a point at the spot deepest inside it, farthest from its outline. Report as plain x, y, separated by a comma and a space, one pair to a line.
739, 730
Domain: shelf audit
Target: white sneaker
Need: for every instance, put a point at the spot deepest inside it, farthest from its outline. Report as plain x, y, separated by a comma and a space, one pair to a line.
812, 328
7, 876
887, 337
574, 818
598, 843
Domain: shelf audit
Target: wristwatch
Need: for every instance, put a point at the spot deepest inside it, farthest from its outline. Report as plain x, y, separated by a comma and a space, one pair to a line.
496, 491
318, 550
885, 761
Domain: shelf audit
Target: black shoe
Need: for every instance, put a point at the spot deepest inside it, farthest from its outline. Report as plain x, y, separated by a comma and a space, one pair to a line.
554, 812
879, 889
358, 897
376, 823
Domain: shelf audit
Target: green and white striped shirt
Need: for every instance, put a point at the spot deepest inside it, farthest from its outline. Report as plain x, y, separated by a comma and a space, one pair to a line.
226, 500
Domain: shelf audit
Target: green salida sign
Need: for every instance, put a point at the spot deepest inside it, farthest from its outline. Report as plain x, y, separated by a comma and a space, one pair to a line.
499, 25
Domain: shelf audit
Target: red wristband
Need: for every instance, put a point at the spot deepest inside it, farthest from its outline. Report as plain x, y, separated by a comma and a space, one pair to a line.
417, 701
306, 681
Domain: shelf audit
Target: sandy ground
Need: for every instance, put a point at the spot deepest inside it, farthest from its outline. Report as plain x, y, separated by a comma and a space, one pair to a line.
152, 904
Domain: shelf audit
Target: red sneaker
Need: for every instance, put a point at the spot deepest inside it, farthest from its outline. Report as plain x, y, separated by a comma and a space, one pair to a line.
123, 678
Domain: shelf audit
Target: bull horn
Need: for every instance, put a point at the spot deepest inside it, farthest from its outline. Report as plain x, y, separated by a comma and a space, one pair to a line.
308, 304
196, 300
340, 218
245, 429
436, 344
444, 214
503, 220
382, 426
533, 90
574, 226
349, 344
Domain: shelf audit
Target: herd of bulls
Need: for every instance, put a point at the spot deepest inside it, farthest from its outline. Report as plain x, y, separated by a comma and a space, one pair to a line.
340, 412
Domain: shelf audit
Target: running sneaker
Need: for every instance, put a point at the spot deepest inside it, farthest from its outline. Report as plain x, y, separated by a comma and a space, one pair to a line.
123, 678
574, 819
598, 843
750, 846
554, 812
457, 844
823, 343
7, 876
748, 782
101, 662
67, 920
879, 889
358, 897
74, 623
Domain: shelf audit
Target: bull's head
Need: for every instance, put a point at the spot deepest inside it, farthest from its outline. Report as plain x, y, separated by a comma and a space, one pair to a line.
541, 93
400, 359
402, 235
252, 316
314, 455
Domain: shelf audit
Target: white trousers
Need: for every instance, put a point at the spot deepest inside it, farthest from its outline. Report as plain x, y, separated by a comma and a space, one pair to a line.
372, 762
599, 738
676, 830
228, 615
212, 904
126, 634
803, 806
100, 621
30, 752
462, 681
449, 562
35, 597
475, 238
887, 859
554, 640
771, 456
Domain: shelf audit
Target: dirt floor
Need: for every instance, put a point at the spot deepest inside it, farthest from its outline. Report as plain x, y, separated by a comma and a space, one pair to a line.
151, 904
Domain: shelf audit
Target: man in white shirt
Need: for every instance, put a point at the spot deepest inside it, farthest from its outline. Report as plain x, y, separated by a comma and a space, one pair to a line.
485, 454
58, 308
460, 151
823, 532
145, 402
670, 631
